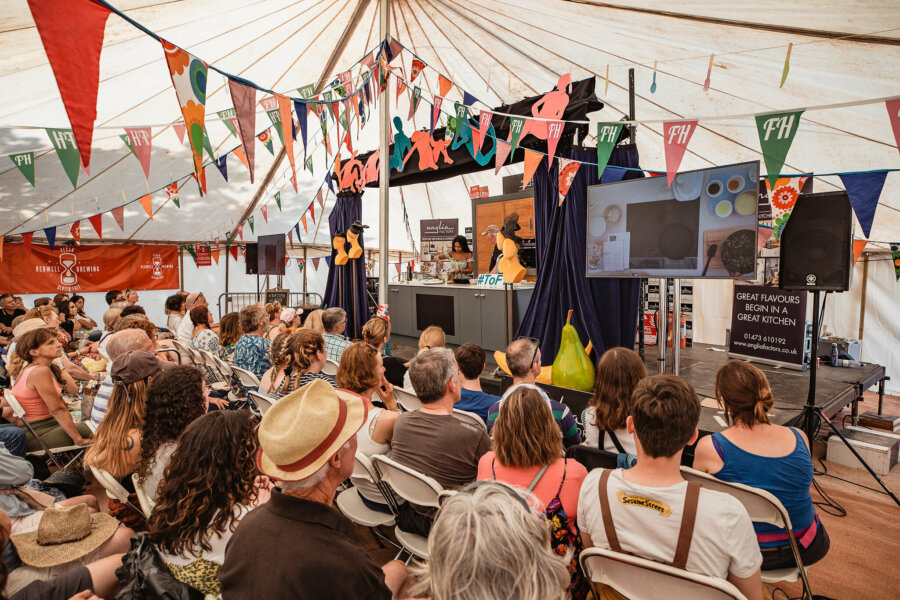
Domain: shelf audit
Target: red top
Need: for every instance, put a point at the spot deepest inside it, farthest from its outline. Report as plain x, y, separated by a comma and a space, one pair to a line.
546, 488
34, 406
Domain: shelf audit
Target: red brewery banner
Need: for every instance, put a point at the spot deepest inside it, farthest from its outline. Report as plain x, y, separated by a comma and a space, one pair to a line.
88, 268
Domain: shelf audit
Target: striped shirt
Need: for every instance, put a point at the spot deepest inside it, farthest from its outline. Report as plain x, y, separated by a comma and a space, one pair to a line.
561, 414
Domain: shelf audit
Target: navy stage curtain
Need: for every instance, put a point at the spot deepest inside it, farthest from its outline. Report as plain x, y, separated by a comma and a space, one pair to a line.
606, 310
346, 286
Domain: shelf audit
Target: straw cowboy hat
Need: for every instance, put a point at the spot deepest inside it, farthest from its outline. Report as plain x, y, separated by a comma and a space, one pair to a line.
304, 429
28, 325
64, 535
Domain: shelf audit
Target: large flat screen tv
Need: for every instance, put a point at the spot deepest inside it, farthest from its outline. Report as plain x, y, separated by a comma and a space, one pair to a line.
704, 226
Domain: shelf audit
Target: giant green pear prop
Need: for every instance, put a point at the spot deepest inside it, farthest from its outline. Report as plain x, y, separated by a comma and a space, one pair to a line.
573, 367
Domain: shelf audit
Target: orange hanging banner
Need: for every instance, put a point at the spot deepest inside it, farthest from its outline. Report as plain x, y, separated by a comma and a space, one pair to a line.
147, 204
88, 268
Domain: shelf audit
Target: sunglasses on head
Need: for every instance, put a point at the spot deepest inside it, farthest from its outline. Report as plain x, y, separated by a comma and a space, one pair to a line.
537, 345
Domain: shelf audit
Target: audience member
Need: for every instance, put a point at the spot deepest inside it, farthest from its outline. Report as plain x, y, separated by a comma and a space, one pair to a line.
66, 322
175, 312
133, 309
308, 441
85, 321
377, 332
273, 317
618, 371
113, 296
204, 338
279, 358
38, 389
335, 322
119, 343
8, 312
305, 351
313, 321
251, 352
650, 511
61, 297
131, 297
523, 357
290, 323
758, 453
175, 398
209, 485
20, 303
431, 337
42, 301
431, 440
487, 543
470, 358
229, 334
110, 318
361, 372
186, 327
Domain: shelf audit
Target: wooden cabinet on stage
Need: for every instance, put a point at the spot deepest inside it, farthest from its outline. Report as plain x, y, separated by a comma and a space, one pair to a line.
492, 211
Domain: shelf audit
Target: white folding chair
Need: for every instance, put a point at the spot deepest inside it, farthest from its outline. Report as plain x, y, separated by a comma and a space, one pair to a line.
407, 400
50, 453
763, 507
262, 401
413, 487
187, 358
247, 379
330, 367
214, 379
350, 501
469, 417
115, 490
638, 578
143, 497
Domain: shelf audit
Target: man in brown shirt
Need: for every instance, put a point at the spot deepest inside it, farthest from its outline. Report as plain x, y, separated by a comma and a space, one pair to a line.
431, 440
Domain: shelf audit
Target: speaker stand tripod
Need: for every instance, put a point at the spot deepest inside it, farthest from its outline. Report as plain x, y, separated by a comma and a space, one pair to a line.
813, 415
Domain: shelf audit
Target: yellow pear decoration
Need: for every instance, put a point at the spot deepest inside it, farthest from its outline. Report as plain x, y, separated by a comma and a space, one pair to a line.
573, 367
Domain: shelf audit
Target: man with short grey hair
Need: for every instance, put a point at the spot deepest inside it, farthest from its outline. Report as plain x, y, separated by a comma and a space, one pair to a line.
119, 343
334, 320
431, 440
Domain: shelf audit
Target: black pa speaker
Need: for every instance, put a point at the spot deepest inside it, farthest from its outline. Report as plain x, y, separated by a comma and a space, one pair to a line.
271, 254
817, 244
251, 257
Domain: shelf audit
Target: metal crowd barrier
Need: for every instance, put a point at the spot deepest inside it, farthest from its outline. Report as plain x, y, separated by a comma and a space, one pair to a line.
235, 301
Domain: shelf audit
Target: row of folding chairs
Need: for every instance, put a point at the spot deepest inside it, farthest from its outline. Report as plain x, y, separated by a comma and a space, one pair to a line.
64, 456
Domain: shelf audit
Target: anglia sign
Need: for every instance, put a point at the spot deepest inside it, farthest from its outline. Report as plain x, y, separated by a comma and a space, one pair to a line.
81, 269
769, 325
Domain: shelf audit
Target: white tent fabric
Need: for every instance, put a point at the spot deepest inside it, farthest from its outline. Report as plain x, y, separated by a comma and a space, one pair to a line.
498, 50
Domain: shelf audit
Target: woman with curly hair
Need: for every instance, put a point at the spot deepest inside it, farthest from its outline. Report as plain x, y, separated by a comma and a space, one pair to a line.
209, 485
175, 311
175, 399
229, 333
279, 357
306, 357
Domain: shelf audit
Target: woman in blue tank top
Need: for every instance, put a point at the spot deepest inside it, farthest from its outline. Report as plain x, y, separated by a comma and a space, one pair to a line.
757, 453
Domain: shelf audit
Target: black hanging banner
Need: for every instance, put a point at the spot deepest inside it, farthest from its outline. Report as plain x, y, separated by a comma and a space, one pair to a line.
769, 325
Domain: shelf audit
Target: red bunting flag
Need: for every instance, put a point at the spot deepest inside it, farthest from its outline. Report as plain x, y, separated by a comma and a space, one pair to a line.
233, 250
180, 130
76, 232
97, 223
397, 265
142, 144
554, 131
147, 204
484, 123
503, 149
893, 108
303, 221
315, 262
417, 67
118, 214
312, 212
240, 231
244, 99
676, 136
436, 112
319, 198
265, 213
72, 34
26, 239
532, 160
401, 86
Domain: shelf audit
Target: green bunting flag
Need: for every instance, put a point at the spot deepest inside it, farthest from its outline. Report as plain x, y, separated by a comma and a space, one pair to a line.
417, 95
278, 200
25, 162
250, 222
177, 201
192, 252
343, 122
607, 136
271, 107
776, 133
516, 124
227, 116
309, 165
307, 91
64, 143
127, 141
227, 239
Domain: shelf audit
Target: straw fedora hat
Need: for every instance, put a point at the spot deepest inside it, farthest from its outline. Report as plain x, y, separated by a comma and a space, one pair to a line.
63, 535
304, 429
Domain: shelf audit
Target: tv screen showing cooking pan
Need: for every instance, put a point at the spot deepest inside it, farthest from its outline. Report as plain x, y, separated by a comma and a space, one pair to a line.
703, 226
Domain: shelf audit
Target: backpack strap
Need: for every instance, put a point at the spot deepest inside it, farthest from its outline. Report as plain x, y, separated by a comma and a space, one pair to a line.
616, 442
686, 533
608, 526
537, 477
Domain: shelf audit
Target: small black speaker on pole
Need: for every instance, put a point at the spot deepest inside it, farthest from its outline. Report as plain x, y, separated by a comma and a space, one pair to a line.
251, 257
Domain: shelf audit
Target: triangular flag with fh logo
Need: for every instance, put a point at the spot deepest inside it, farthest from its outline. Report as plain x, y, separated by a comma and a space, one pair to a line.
676, 136
532, 160
607, 136
776, 133
26, 239
554, 132
24, 161
64, 142
147, 204
516, 125
142, 145
118, 214
97, 223
244, 99
250, 223
484, 123
436, 112
278, 200
76, 231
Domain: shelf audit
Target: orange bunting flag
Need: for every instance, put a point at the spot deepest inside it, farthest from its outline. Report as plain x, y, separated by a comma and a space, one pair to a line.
97, 222
858, 247
445, 85
303, 220
76, 232
532, 160
239, 153
284, 111
147, 204
1, 248
215, 255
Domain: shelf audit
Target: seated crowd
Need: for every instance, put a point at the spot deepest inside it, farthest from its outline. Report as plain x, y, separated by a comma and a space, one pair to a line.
242, 508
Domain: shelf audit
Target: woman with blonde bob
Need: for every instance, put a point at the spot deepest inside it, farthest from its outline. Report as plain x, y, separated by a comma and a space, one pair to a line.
313, 321
618, 372
431, 337
487, 544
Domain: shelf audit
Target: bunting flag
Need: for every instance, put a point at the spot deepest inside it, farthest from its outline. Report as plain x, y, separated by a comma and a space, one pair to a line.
787, 65
315, 263
484, 123
893, 108
64, 28
26, 239
24, 161
302, 113
417, 67
243, 97
2, 239
401, 87
118, 214
776, 133
50, 234
250, 223
64, 142
305, 228
297, 229
568, 168
309, 165
782, 199
147, 203
265, 213
270, 105
307, 91
76, 231
266, 140
554, 132
215, 255
864, 190
516, 125
312, 212
444, 85
172, 192
532, 160
895, 254
858, 247
676, 136
97, 223
328, 261
398, 266
189, 79
278, 200
239, 154
436, 112
240, 231
140, 142
222, 165
284, 111
319, 198
228, 119
468, 99
502, 153
233, 250
607, 136
180, 130
417, 95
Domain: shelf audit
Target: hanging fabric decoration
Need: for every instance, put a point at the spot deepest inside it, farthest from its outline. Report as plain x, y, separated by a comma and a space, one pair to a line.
243, 97
270, 105
776, 133
864, 190
76, 232
554, 132
228, 119
436, 112
297, 229
417, 94
401, 87
398, 266
309, 165
141, 144
240, 231
782, 199
469, 100
516, 125
97, 223
66, 26
568, 168
147, 204
858, 247
417, 67
189, 79
315, 263
444, 84
787, 65
302, 113
607, 136
895, 254
265, 213
319, 198
893, 108
250, 223
180, 130
307, 91
50, 234
266, 140
26, 239
24, 161
305, 228
532, 160
2, 239
484, 124
172, 192
284, 112
278, 200
502, 154
239, 154
676, 136
222, 165
64, 143
708, 72
233, 250
312, 212
118, 214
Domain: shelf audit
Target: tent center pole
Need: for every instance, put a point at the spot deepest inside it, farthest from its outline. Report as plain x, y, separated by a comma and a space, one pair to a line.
384, 165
